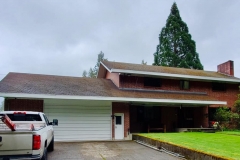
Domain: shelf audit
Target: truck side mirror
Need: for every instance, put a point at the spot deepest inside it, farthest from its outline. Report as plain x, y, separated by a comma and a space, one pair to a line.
55, 122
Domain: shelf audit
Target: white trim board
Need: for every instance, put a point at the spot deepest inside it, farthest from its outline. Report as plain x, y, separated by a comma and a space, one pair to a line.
113, 99
175, 75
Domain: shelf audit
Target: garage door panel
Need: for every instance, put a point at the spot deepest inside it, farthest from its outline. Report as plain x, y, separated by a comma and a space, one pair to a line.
80, 122
82, 138
91, 125
53, 111
83, 122
82, 114
78, 107
93, 136
78, 119
82, 132
86, 128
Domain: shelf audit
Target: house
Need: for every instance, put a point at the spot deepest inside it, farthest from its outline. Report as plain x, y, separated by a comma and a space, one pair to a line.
124, 99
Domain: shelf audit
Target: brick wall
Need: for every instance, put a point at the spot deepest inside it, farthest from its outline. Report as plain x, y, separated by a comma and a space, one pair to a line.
230, 95
23, 105
226, 68
121, 108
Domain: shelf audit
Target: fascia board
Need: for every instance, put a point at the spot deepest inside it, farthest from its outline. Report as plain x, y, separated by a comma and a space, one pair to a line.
106, 67
114, 99
174, 75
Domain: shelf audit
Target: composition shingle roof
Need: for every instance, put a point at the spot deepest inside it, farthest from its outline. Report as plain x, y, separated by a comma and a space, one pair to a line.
161, 69
79, 86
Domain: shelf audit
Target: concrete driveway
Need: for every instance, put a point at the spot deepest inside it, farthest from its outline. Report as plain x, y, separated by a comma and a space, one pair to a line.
125, 150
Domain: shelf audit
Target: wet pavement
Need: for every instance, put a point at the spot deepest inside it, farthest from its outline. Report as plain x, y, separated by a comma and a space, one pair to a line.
121, 150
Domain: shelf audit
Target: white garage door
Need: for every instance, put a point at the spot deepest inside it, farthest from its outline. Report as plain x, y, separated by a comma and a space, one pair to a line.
79, 120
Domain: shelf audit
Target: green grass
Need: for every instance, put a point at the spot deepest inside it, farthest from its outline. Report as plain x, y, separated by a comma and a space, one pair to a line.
231, 132
220, 143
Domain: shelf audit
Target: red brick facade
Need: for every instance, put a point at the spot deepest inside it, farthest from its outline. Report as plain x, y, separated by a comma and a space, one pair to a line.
230, 95
23, 105
171, 116
121, 108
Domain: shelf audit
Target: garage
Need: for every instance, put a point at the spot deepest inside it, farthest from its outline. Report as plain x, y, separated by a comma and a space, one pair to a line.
80, 120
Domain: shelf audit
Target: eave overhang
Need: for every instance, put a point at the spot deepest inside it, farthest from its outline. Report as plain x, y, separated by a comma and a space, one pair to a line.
113, 99
169, 75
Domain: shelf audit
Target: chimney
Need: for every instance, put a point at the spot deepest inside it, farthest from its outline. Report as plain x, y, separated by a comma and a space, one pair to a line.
226, 68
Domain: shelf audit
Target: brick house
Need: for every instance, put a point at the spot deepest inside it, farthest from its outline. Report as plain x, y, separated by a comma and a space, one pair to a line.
125, 98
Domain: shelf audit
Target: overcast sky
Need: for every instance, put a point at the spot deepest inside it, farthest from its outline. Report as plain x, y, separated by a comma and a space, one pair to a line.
63, 37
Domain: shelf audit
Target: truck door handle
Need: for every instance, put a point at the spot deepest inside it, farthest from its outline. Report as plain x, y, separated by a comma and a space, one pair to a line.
0, 139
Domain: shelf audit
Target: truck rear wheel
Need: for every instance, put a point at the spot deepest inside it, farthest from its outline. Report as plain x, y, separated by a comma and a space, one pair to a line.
51, 145
44, 157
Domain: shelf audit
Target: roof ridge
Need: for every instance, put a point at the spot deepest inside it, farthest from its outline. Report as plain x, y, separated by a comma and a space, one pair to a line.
39, 74
161, 66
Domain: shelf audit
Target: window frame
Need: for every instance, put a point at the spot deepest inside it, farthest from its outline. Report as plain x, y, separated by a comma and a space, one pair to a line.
182, 85
152, 82
223, 87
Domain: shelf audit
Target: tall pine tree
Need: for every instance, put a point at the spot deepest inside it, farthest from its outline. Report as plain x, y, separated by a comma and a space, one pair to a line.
93, 72
176, 47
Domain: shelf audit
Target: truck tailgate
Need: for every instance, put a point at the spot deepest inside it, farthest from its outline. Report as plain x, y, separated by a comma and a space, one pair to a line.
15, 141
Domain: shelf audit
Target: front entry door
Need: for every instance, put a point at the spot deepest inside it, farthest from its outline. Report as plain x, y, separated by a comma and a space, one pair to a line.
119, 126
185, 117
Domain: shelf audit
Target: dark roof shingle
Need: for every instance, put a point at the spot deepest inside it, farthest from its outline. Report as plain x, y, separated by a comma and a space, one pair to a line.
161, 69
78, 86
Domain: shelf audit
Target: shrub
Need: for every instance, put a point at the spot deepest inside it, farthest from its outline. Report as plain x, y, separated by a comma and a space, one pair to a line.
237, 105
224, 116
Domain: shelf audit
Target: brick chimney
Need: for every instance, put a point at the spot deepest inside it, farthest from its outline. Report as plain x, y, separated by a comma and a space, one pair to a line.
226, 68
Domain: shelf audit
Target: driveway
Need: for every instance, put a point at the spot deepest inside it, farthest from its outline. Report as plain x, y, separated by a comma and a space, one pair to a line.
125, 150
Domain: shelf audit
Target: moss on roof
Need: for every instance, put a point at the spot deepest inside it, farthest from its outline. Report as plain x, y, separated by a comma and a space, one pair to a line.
161, 69
79, 86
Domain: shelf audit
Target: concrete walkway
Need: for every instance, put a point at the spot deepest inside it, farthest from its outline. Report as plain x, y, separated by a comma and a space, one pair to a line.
125, 150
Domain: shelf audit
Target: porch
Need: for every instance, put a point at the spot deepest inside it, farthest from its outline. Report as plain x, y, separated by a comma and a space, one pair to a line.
152, 117
144, 119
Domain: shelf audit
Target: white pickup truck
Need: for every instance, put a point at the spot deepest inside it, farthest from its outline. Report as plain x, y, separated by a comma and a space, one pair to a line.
25, 135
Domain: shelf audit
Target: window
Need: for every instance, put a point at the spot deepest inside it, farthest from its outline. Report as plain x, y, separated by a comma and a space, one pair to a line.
218, 86
24, 117
119, 120
47, 122
184, 85
152, 82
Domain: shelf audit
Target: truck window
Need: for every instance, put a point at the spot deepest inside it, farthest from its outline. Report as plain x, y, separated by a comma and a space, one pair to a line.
24, 117
47, 122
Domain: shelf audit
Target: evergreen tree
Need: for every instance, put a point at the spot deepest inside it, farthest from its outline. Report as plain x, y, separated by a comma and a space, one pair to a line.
100, 58
144, 63
93, 72
84, 74
176, 47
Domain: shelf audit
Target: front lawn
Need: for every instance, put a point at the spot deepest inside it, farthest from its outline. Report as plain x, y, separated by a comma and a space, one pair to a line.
237, 132
225, 145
